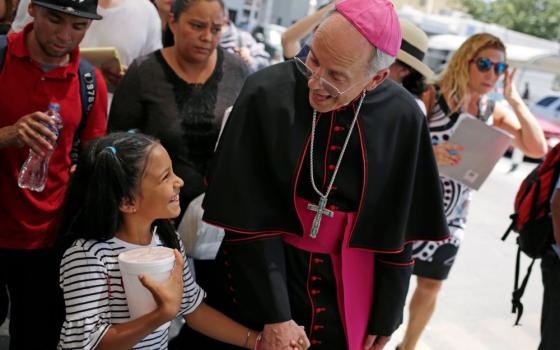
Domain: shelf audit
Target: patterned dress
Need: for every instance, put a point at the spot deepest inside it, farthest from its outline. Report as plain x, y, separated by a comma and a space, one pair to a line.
435, 259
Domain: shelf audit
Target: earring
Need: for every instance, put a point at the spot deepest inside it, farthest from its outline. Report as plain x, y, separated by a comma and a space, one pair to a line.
134, 210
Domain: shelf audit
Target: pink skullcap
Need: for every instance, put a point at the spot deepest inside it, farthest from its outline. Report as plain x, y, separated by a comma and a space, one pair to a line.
376, 20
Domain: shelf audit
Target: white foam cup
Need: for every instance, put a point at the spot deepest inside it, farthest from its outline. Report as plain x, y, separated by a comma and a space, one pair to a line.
155, 262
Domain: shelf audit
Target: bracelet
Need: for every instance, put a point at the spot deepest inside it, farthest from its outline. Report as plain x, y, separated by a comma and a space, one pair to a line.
247, 338
258, 341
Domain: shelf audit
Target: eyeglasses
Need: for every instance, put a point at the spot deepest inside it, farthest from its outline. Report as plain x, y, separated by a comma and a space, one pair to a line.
484, 64
324, 83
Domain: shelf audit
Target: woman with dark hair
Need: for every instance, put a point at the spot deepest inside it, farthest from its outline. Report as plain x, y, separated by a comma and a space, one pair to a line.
122, 196
179, 94
460, 92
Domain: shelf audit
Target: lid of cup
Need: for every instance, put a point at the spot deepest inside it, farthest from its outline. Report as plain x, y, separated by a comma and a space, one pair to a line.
147, 255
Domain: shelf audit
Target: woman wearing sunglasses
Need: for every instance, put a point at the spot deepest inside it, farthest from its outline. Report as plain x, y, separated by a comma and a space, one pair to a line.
472, 72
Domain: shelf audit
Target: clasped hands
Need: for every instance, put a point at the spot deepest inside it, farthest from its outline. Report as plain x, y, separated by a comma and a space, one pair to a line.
288, 335
284, 335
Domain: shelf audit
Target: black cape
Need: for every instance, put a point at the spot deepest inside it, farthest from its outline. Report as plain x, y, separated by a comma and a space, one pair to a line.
253, 180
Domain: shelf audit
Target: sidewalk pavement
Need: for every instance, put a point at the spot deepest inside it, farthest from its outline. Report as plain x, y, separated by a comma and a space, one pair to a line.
474, 307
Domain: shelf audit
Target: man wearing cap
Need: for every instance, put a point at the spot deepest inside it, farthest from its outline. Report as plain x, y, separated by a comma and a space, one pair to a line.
40, 66
323, 177
133, 27
408, 69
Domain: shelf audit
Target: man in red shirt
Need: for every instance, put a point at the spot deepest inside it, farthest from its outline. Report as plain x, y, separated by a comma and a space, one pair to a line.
40, 66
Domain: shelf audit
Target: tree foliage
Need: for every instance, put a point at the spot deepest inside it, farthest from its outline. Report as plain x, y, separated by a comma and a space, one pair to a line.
536, 17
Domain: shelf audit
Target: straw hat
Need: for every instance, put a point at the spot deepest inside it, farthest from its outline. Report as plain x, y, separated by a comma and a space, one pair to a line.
414, 46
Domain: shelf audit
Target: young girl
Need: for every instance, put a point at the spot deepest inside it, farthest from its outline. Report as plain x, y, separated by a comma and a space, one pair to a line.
123, 190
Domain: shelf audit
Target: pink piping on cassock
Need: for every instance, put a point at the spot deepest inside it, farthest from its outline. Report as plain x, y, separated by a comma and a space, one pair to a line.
353, 268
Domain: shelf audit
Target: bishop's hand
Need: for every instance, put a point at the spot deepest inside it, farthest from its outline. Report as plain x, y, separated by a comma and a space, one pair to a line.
283, 336
376, 342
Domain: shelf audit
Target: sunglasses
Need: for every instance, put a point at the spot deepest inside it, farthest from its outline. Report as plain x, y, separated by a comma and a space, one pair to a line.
485, 64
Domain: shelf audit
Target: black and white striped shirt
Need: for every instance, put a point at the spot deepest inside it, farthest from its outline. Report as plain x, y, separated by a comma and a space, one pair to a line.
94, 296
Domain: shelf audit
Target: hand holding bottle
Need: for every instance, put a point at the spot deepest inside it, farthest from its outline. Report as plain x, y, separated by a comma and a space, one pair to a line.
33, 130
42, 135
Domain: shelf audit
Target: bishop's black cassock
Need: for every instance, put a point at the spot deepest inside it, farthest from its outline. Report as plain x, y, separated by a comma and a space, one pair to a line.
388, 181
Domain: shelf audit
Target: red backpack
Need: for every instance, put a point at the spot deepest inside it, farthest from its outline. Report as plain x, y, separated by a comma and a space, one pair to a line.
531, 219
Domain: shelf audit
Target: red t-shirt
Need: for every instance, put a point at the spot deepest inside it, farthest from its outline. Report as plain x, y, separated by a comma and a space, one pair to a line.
30, 220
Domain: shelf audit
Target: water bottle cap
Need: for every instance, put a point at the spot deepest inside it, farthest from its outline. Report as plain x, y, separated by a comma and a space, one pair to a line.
54, 106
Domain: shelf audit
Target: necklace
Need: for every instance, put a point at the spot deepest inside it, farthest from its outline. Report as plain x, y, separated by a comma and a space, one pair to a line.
323, 197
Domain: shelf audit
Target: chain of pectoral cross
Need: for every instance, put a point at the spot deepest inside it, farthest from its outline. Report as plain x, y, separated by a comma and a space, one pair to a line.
323, 197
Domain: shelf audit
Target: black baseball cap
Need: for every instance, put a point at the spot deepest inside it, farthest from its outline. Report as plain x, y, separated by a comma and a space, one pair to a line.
79, 8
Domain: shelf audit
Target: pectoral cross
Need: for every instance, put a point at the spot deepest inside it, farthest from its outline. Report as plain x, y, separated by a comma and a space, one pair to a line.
321, 210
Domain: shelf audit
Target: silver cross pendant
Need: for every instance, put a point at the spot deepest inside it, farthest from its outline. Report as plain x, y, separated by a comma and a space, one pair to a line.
321, 210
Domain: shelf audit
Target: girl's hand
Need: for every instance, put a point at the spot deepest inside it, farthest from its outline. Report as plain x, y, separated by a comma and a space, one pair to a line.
169, 293
510, 91
447, 153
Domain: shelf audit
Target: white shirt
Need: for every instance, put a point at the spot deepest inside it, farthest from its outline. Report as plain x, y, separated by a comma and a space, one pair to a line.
22, 16
133, 27
421, 104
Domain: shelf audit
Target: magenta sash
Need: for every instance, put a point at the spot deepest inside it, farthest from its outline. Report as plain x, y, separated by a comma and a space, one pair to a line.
353, 268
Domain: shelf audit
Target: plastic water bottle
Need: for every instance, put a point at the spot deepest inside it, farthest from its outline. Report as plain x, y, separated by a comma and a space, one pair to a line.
34, 171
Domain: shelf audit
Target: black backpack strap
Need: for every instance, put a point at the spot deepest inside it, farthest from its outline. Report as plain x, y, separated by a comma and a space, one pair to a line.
518, 291
88, 91
509, 229
513, 218
3, 49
